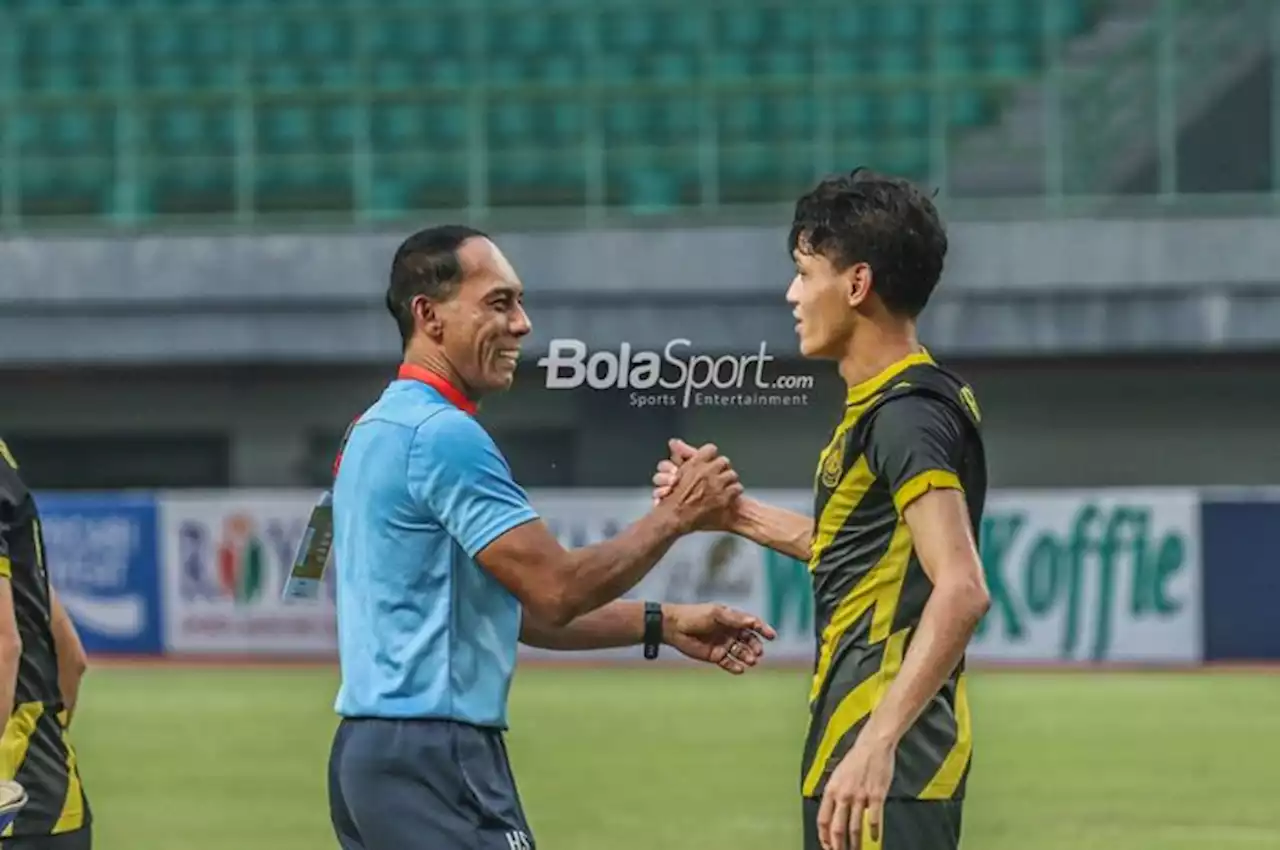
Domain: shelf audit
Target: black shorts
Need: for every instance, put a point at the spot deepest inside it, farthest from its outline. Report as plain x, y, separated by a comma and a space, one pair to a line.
81, 839
908, 825
423, 785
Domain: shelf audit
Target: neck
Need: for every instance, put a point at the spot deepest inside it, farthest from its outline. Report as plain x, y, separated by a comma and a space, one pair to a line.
435, 361
874, 348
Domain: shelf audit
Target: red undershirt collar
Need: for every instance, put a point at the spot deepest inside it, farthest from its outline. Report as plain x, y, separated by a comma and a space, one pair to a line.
455, 396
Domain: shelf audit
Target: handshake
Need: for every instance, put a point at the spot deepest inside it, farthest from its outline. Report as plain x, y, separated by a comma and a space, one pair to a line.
699, 487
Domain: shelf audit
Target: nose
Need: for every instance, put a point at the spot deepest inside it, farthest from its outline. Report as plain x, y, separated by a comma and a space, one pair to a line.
520, 324
793, 291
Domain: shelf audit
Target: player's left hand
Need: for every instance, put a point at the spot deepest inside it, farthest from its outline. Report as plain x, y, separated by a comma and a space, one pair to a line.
716, 634
857, 790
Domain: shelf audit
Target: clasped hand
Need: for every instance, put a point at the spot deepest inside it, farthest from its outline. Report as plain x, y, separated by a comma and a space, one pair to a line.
686, 470
705, 488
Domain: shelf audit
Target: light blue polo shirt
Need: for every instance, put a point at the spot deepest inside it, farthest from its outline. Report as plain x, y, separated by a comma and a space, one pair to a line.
423, 630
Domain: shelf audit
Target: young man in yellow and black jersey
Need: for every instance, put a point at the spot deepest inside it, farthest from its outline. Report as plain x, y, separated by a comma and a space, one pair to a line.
892, 545
41, 663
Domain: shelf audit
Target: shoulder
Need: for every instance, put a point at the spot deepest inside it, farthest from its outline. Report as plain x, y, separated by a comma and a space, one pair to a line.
12, 488
907, 413
451, 443
447, 429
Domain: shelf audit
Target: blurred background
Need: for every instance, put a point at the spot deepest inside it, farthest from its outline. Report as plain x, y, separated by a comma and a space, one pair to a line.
199, 202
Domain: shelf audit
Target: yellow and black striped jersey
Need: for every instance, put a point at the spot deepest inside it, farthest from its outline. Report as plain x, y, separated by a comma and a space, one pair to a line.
34, 749
912, 428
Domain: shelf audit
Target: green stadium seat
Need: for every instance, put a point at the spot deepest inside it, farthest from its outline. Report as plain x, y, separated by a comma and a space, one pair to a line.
391, 74
544, 180
303, 186
790, 117
510, 124
321, 69
1010, 18
1010, 57
431, 182
189, 129
53, 188
732, 66
956, 58
854, 114
966, 108
741, 118
898, 60
844, 64
851, 25
955, 21
688, 29
787, 64
791, 28
909, 112
761, 173
740, 28
667, 68
615, 69
631, 31
906, 156
903, 22
388, 197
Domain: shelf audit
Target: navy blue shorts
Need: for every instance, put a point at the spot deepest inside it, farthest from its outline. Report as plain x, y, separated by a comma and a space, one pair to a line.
423, 785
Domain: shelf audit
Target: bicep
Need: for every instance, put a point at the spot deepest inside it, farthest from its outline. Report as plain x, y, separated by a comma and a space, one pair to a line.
10, 640
942, 535
65, 638
525, 560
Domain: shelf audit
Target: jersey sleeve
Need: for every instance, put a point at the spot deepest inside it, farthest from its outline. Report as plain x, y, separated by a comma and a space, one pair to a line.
916, 444
457, 473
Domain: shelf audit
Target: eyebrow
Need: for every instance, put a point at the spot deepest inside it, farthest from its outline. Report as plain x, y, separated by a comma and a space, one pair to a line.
504, 289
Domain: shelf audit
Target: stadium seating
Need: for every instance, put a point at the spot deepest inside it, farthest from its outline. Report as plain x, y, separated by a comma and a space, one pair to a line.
149, 108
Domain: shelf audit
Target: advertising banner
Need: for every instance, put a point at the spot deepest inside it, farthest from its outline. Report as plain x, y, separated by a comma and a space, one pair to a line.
226, 556
1106, 575
101, 554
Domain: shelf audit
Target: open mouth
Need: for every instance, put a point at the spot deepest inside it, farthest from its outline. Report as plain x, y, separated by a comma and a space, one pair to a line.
509, 357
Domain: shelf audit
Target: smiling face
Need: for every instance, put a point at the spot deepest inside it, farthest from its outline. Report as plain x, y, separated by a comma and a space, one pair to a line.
481, 327
824, 303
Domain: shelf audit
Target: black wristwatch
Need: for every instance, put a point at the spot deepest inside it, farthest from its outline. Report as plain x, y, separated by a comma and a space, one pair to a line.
652, 629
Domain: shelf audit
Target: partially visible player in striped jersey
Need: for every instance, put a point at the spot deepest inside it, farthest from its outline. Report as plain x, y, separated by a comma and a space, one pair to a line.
892, 546
41, 662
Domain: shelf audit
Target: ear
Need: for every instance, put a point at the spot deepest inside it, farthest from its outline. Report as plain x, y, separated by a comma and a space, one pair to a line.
426, 315
858, 283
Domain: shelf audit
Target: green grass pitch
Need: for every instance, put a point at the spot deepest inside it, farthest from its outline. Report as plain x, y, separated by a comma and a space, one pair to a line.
204, 758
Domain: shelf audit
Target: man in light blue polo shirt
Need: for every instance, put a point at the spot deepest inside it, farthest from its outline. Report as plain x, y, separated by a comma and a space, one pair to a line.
443, 567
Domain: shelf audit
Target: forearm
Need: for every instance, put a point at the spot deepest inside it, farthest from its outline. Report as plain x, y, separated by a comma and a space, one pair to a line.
619, 623
775, 528
10, 657
72, 661
946, 626
69, 678
603, 572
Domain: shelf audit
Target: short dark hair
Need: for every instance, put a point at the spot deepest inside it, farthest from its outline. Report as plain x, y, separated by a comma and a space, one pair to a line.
426, 264
884, 221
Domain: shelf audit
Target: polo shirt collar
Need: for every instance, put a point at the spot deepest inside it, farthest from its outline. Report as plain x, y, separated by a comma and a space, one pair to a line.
455, 396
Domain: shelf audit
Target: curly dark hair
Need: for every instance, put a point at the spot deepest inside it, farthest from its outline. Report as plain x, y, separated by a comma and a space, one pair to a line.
884, 221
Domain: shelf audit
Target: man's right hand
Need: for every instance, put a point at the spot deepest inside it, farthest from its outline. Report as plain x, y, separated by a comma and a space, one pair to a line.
703, 492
